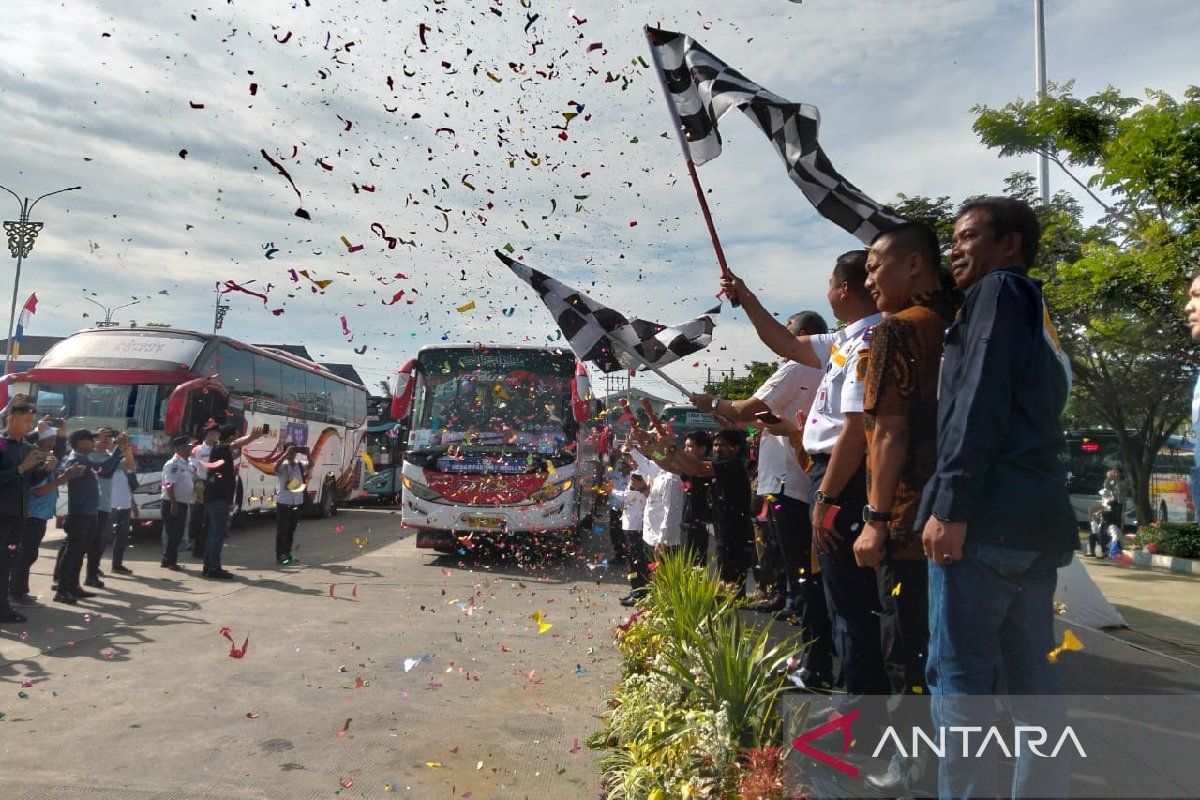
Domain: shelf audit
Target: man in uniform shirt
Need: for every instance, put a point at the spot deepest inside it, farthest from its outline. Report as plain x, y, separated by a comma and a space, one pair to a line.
900, 407
197, 518
177, 483
835, 441
997, 520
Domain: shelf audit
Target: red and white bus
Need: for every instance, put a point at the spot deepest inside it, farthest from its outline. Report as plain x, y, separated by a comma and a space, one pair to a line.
157, 383
500, 445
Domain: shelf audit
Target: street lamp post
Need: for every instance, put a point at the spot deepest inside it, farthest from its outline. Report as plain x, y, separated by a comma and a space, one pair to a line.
108, 312
21, 235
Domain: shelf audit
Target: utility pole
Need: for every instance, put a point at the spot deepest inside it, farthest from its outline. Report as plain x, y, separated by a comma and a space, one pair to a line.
21, 235
1039, 58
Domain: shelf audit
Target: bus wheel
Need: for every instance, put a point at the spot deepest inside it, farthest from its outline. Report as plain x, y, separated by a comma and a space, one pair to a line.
328, 505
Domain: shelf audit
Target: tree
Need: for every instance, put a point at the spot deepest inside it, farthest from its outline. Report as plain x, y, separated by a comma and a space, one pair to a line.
739, 388
1116, 289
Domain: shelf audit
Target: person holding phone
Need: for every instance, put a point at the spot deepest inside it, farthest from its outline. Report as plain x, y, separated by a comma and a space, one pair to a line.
220, 491
289, 502
21, 466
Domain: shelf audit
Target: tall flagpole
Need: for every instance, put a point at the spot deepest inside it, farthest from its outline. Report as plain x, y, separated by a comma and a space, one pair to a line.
687, 156
1039, 58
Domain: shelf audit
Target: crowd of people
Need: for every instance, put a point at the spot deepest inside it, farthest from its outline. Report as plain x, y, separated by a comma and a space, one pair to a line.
917, 508
96, 471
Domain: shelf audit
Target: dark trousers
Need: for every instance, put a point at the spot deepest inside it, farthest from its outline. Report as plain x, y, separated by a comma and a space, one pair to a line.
81, 530
904, 638
804, 590
218, 524
174, 522
616, 536
197, 527
286, 518
119, 520
639, 569
695, 538
100, 542
32, 534
852, 596
11, 529
735, 548
768, 565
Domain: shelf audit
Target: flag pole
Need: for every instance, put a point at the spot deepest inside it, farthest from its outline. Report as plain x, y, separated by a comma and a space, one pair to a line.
687, 156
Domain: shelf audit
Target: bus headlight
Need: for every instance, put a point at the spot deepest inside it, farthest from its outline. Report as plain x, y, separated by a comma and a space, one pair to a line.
549, 492
420, 490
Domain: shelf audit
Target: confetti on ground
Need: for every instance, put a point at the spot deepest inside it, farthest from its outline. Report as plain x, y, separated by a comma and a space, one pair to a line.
1069, 642
234, 650
539, 618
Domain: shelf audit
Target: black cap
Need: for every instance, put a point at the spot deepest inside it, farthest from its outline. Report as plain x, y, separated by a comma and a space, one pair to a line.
77, 436
181, 440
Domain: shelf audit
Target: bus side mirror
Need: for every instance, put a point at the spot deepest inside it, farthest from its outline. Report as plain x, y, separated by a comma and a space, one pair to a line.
581, 395
402, 391
180, 402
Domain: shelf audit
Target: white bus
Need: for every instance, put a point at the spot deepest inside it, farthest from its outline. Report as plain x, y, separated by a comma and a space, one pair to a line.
158, 383
500, 446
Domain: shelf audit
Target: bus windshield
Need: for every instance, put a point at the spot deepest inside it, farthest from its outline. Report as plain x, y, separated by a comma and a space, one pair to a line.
138, 409
496, 399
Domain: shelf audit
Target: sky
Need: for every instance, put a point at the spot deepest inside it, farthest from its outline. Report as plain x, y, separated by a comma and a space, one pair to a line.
444, 126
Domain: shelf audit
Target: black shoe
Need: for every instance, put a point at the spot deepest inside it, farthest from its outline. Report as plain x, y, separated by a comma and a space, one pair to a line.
8, 615
122, 570
628, 600
772, 606
887, 784
95, 583
222, 574
65, 598
23, 600
80, 594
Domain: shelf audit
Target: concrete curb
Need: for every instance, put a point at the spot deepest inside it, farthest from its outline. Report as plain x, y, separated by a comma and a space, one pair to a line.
1185, 566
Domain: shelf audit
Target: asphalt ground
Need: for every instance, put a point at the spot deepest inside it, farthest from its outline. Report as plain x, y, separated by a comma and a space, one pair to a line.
372, 670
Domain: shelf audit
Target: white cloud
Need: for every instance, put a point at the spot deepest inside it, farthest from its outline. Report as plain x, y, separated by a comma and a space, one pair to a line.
894, 81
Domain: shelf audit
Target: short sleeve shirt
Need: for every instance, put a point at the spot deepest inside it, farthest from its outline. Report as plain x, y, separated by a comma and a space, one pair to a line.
790, 389
844, 358
177, 475
222, 480
902, 379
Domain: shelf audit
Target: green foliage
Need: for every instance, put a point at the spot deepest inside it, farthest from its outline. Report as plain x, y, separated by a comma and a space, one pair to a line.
1179, 539
741, 387
698, 694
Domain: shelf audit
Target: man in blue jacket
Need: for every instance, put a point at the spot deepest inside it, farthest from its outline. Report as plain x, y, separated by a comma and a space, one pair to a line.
83, 506
997, 520
20, 467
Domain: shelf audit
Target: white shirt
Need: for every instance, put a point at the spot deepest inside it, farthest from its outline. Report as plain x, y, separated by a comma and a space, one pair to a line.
843, 356
620, 482
633, 508
288, 471
122, 496
200, 457
791, 389
177, 473
661, 521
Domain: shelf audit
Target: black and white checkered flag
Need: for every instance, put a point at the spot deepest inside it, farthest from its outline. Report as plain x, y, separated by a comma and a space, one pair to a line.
703, 89
607, 338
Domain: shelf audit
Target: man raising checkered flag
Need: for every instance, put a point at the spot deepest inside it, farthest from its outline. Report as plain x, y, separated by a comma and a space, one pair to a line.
701, 89
606, 338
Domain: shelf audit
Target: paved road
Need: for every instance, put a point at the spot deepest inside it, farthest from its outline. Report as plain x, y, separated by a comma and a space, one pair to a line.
135, 694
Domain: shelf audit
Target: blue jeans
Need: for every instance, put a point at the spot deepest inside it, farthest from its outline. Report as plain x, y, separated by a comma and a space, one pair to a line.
119, 520
218, 526
991, 626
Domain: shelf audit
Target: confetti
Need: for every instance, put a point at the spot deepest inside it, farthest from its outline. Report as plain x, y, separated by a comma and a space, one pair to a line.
1069, 642
469, 306
539, 618
234, 650
896, 590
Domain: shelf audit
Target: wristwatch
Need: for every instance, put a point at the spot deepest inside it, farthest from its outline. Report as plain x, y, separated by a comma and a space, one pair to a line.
871, 515
826, 499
